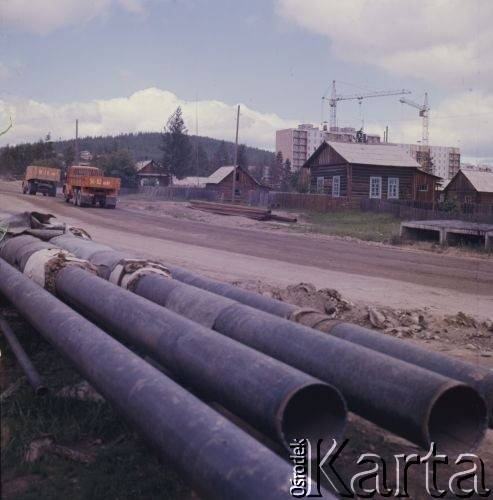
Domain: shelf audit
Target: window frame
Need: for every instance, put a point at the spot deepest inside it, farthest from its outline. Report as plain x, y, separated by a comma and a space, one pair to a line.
336, 193
393, 182
377, 196
320, 184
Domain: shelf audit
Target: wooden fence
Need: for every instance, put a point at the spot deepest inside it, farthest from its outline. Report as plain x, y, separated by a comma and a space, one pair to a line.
178, 193
300, 201
426, 211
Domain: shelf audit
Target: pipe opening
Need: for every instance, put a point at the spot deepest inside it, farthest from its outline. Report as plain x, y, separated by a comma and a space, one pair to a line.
41, 390
458, 420
316, 411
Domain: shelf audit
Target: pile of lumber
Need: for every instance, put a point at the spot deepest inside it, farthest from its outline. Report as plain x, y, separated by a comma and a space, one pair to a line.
243, 210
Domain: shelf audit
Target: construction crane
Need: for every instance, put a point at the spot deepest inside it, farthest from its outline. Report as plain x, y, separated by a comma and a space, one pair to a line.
334, 98
423, 112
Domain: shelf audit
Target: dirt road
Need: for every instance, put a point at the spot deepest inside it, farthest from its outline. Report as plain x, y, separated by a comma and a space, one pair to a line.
370, 273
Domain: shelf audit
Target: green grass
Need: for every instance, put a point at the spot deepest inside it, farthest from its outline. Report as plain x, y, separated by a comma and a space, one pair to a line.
352, 223
125, 468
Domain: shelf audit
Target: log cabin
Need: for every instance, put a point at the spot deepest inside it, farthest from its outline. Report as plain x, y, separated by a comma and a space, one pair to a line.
468, 186
376, 171
221, 181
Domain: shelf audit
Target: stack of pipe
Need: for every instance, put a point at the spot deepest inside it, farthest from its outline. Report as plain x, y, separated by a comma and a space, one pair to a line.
411, 401
258, 357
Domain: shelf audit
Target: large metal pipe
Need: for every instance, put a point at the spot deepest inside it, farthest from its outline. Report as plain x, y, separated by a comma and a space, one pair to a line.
476, 376
375, 401
217, 458
415, 403
279, 400
87, 249
23, 359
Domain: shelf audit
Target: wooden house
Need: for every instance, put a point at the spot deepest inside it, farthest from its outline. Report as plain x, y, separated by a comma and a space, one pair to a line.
469, 186
221, 181
151, 173
377, 171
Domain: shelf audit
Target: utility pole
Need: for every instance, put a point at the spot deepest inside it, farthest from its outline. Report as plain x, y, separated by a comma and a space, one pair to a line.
76, 159
236, 156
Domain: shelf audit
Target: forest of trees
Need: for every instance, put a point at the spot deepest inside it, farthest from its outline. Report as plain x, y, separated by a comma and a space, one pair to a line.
180, 153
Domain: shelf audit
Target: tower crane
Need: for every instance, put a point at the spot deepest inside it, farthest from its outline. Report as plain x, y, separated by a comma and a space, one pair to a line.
423, 112
334, 98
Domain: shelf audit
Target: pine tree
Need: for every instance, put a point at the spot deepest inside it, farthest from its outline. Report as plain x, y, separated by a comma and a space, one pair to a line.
221, 157
276, 171
177, 151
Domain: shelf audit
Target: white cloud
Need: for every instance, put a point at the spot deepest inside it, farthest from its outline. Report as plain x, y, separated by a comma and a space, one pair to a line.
445, 42
144, 111
43, 17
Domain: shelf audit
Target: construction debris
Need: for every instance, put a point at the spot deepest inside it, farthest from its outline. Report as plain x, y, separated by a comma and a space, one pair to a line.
45, 444
82, 391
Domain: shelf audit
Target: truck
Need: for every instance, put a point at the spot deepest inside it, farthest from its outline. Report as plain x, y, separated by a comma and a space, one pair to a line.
38, 179
87, 186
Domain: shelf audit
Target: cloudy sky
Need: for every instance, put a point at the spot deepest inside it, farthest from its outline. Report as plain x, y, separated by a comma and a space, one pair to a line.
125, 65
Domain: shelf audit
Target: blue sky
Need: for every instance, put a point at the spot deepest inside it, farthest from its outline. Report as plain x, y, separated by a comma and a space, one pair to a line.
125, 65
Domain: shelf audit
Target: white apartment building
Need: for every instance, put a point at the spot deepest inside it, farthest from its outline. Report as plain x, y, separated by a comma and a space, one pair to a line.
445, 160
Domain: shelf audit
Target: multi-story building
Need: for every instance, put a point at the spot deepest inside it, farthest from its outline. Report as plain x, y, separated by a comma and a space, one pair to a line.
298, 144
438, 160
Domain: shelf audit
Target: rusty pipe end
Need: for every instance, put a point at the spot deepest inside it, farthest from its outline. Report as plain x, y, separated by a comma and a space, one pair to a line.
457, 420
313, 412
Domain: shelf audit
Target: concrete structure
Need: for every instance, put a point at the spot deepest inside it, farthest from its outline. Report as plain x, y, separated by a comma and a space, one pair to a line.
448, 232
376, 171
298, 144
445, 160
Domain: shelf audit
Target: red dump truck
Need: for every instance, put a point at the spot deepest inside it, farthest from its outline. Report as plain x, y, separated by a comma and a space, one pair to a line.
87, 186
39, 179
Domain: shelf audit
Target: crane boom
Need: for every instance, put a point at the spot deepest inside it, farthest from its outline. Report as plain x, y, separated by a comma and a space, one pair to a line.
424, 113
334, 98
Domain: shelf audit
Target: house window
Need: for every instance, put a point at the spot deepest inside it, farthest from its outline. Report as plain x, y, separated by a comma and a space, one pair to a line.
336, 186
375, 187
320, 184
393, 188
423, 188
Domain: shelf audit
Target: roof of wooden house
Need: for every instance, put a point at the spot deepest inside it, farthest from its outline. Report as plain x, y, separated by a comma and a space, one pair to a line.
140, 165
481, 181
222, 172
386, 155
368, 154
192, 181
